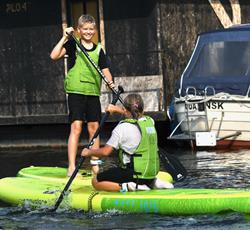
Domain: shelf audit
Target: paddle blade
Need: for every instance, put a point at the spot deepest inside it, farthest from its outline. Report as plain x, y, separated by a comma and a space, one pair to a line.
173, 166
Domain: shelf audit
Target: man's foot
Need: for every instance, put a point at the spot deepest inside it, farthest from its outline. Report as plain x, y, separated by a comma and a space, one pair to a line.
160, 184
131, 186
70, 172
140, 187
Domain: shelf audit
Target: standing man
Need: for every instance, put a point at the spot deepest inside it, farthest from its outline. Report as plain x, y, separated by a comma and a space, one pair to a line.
82, 84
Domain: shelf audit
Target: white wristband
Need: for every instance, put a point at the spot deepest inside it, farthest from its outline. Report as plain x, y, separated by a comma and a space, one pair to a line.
96, 162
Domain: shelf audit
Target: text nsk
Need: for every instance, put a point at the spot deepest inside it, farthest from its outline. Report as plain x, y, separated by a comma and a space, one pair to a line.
210, 105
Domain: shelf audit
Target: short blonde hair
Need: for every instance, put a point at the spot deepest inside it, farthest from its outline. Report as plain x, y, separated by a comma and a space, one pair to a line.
85, 18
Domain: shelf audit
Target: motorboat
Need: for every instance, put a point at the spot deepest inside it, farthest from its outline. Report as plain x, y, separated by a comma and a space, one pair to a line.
211, 102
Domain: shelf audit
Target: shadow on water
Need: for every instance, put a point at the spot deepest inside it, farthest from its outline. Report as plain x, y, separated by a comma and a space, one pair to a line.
12, 160
205, 170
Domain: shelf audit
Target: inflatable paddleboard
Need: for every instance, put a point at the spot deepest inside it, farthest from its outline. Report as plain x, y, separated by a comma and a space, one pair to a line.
37, 191
55, 174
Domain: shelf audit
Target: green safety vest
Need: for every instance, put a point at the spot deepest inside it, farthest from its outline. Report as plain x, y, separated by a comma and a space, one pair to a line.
83, 78
145, 159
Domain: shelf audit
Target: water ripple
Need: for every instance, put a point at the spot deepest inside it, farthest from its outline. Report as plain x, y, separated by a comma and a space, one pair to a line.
206, 169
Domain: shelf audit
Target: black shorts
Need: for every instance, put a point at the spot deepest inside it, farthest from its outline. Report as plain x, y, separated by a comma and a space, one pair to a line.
120, 175
84, 108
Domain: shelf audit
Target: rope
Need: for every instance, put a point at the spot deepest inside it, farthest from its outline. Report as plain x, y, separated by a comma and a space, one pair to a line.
90, 198
217, 96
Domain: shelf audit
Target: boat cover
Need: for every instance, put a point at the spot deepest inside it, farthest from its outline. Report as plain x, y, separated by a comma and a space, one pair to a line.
220, 62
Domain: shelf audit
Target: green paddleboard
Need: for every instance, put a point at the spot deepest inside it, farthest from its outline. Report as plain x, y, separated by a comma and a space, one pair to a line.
59, 174
40, 190
40, 194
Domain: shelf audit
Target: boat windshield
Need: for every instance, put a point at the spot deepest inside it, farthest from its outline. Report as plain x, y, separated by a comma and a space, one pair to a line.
223, 59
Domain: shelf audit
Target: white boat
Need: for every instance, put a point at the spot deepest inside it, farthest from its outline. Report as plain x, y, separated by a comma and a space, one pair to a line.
212, 102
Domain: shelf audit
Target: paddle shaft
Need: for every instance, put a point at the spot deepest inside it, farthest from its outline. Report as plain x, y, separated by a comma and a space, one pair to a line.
104, 118
173, 166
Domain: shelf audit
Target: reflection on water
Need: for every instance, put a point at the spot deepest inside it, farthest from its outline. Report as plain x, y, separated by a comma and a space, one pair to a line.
217, 169
205, 170
14, 218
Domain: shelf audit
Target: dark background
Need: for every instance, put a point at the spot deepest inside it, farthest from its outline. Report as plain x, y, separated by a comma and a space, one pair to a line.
32, 98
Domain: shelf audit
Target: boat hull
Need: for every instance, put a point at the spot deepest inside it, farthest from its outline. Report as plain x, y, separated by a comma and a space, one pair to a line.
228, 118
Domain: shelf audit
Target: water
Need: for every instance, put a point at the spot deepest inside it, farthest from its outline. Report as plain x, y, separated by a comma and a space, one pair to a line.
205, 170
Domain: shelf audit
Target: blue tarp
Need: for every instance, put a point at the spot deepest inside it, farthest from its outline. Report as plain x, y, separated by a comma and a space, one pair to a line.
220, 60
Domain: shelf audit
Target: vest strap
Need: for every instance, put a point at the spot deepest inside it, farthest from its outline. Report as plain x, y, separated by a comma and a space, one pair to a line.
137, 155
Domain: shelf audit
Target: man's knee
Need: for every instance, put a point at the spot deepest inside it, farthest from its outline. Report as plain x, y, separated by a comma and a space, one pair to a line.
76, 128
92, 127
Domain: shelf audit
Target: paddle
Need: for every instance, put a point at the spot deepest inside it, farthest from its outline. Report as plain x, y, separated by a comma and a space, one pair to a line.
172, 165
104, 118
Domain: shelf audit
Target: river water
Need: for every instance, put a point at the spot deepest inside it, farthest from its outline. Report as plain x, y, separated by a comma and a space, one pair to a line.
206, 169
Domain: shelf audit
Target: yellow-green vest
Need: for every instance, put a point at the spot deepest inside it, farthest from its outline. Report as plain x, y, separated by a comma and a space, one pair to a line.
145, 158
83, 78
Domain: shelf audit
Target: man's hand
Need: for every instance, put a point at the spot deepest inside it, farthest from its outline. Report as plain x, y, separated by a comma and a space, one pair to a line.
115, 109
67, 31
85, 152
111, 85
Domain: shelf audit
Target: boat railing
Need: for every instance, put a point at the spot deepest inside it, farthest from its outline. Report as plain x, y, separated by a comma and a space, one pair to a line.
191, 92
176, 127
188, 89
248, 91
191, 116
209, 88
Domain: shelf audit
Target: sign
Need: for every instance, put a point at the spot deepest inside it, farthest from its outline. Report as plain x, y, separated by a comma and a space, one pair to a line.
25, 13
205, 139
